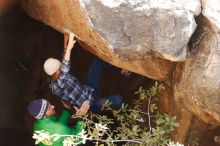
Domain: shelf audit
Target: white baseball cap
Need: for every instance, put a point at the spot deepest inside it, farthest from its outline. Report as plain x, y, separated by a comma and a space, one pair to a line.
51, 65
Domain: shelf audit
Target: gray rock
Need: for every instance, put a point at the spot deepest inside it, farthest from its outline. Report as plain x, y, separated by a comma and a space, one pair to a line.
211, 10
138, 29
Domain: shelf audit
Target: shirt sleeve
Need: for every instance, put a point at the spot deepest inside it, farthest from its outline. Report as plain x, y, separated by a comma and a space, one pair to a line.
64, 117
65, 66
64, 71
41, 144
64, 51
80, 125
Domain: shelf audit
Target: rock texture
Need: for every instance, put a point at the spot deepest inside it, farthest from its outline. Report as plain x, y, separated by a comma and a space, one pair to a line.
134, 29
197, 83
211, 10
130, 34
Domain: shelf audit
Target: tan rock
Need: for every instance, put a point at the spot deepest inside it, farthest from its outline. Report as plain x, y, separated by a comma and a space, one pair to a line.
183, 116
129, 34
197, 83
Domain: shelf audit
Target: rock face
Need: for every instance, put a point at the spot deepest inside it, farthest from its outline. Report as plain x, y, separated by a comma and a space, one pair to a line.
130, 34
135, 29
197, 81
211, 10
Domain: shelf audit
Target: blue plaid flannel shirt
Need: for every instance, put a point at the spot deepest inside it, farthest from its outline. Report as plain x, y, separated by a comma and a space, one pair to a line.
69, 89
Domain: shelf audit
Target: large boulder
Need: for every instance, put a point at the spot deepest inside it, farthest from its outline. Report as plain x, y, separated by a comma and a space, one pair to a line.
142, 36
211, 10
197, 81
134, 29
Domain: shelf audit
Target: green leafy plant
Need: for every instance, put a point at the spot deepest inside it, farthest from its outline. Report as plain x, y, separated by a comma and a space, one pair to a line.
129, 125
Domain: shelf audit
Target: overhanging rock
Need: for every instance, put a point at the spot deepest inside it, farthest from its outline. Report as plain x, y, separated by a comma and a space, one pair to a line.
143, 36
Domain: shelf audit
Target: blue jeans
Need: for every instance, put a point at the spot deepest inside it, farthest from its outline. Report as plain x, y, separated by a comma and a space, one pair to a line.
93, 80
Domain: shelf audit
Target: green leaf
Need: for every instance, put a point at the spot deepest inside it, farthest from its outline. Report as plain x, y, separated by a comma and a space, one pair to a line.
153, 107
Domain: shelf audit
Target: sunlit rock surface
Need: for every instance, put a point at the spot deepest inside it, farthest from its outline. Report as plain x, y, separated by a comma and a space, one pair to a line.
139, 35
211, 10
137, 29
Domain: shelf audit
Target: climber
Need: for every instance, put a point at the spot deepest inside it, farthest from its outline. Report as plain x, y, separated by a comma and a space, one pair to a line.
44, 112
68, 88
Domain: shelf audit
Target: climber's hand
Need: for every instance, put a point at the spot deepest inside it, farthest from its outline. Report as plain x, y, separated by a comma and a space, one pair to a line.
65, 40
71, 41
83, 110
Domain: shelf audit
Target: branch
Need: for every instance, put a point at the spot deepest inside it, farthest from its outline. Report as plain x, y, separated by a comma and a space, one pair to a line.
148, 111
138, 112
102, 140
122, 140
